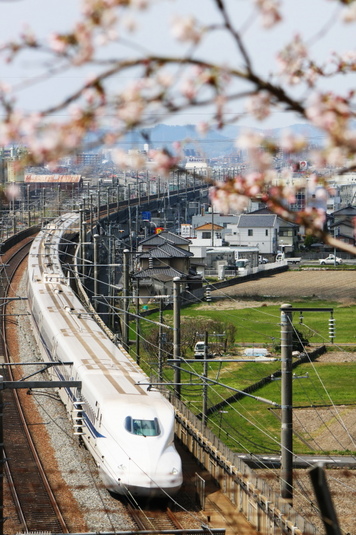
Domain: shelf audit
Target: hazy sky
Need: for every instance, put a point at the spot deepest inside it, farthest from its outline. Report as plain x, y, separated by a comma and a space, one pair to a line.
316, 20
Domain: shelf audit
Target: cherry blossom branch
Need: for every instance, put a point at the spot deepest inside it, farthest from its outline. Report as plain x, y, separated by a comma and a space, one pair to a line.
172, 84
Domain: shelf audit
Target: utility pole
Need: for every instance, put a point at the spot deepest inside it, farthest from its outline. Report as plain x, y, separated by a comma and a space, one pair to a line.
286, 404
176, 334
137, 225
98, 202
43, 201
160, 341
91, 215
84, 250
205, 374
287, 397
28, 206
81, 240
96, 266
125, 327
111, 280
138, 321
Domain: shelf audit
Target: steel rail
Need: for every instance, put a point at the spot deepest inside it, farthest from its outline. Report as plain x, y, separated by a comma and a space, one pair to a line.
35, 503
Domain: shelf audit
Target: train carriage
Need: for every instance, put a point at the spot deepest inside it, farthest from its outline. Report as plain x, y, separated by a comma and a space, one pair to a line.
127, 427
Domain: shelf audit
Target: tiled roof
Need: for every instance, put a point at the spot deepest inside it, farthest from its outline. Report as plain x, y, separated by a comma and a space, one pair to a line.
163, 274
342, 222
283, 223
346, 211
165, 237
166, 251
257, 220
209, 226
267, 211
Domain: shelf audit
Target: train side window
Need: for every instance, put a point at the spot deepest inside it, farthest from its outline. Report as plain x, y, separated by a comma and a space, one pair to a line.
128, 424
147, 428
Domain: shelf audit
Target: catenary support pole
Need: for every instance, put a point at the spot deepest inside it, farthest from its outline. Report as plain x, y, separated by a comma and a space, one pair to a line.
176, 334
205, 374
286, 404
160, 342
96, 266
126, 292
138, 325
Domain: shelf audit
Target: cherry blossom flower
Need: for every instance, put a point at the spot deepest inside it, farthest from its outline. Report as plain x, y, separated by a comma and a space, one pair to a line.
189, 89
349, 13
290, 142
28, 36
58, 43
259, 105
13, 192
269, 10
163, 162
202, 128
292, 61
186, 29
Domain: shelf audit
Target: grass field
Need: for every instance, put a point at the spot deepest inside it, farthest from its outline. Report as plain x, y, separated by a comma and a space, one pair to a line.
249, 425
260, 324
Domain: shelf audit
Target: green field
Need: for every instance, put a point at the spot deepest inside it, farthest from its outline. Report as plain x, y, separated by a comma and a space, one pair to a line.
249, 425
261, 325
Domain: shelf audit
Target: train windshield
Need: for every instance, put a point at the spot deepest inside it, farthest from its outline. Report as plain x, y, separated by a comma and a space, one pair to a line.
147, 428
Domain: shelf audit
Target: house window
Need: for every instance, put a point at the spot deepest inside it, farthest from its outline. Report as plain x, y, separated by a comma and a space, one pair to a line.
250, 232
206, 235
266, 232
286, 233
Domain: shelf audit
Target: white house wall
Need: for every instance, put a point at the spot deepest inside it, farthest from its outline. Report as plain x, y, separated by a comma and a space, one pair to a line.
240, 237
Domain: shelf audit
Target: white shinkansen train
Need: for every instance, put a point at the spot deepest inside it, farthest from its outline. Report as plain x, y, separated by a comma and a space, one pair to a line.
127, 427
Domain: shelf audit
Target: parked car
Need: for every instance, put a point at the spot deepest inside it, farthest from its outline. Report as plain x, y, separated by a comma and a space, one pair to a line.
280, 257
199, 351
262, 260
331, 260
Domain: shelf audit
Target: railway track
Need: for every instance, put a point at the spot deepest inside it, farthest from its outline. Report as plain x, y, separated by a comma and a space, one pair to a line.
36, 509
33, 499
154, 519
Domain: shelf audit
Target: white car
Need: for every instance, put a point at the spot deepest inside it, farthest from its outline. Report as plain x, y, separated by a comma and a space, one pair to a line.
330, 260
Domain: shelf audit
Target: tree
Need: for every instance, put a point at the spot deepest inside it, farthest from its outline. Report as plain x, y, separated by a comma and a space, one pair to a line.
164, 84
191, 332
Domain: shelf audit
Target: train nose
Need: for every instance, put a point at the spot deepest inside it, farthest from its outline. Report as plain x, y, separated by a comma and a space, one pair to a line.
149, 482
